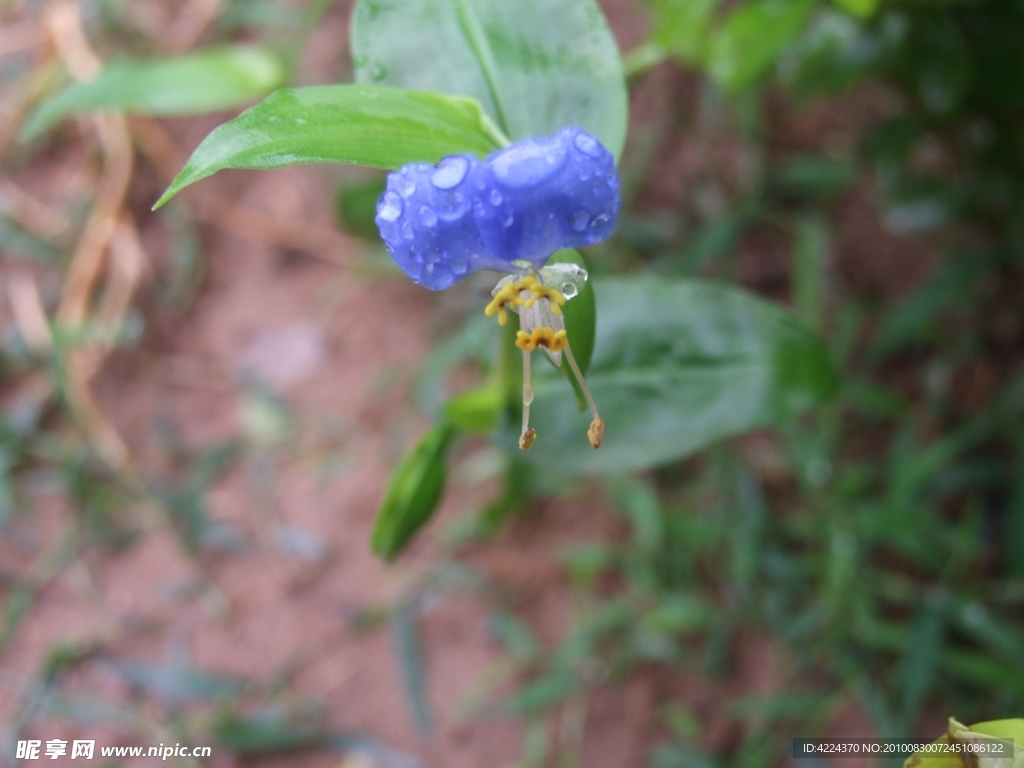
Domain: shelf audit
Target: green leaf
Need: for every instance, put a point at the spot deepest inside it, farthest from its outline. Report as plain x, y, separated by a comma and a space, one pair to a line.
476, 410
677, 366
359, 124
580, 314
356, 205
218, 78
682, 27
751, 39
405, 631
413, 493
862, 9
535, 65
17, 242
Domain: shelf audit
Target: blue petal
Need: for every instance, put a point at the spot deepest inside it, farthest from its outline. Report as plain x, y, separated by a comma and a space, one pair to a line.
523, 202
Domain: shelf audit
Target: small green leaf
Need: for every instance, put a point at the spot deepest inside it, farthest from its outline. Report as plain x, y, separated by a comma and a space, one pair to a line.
16, 241
357, 207
535, 65
751, 39
359, 124
218, 78
413, 493
543, 693
682, 27
405, 631
476, 410
862, 9
580, 315
678, 365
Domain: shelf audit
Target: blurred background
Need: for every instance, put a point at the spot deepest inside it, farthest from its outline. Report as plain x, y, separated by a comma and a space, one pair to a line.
201, 408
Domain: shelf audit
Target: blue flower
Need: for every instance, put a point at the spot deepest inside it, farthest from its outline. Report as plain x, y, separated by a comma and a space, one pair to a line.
508, 213
522, 203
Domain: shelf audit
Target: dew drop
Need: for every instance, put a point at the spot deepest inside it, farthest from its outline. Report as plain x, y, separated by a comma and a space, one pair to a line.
450, 172
528, 164
390, 207
427, 216
407, 232
587, 145
579, 220
378, 72
404, 186
585, 173
600, 221
569, 290
434, 256
496, 198
508, 222
459, 266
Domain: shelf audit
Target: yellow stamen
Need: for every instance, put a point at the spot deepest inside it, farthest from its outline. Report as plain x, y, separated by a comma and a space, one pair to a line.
526, 439
511, 297
506, 297
596, 432
541, 291
528, 435
549, 338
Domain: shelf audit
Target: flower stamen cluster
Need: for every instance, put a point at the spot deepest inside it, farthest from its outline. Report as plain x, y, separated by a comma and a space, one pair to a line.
542, 326
522, 292
546, 338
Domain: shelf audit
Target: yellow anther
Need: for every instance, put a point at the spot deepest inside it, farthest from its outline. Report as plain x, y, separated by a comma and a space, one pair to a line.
541, 291
526, 439
506, 297
548, 338
596, 433
511, 297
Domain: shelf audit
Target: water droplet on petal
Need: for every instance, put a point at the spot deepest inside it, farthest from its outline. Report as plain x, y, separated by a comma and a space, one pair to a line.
427, 216
579, 220
458, 266
450, 172
378, 72
434, 256
600, 221
407, 232
390, 207
496, 198
404, 186
508, 222
529, 163
569, 290
587, 145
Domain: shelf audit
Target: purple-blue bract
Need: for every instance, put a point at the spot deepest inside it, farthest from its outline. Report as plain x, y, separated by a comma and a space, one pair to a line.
523, 202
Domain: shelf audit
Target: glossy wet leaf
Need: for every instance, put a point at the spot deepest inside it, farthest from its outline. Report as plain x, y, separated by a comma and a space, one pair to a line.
580, 314
535, 65
413, 494
218, 78
677, 366
751, 39
358, 124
